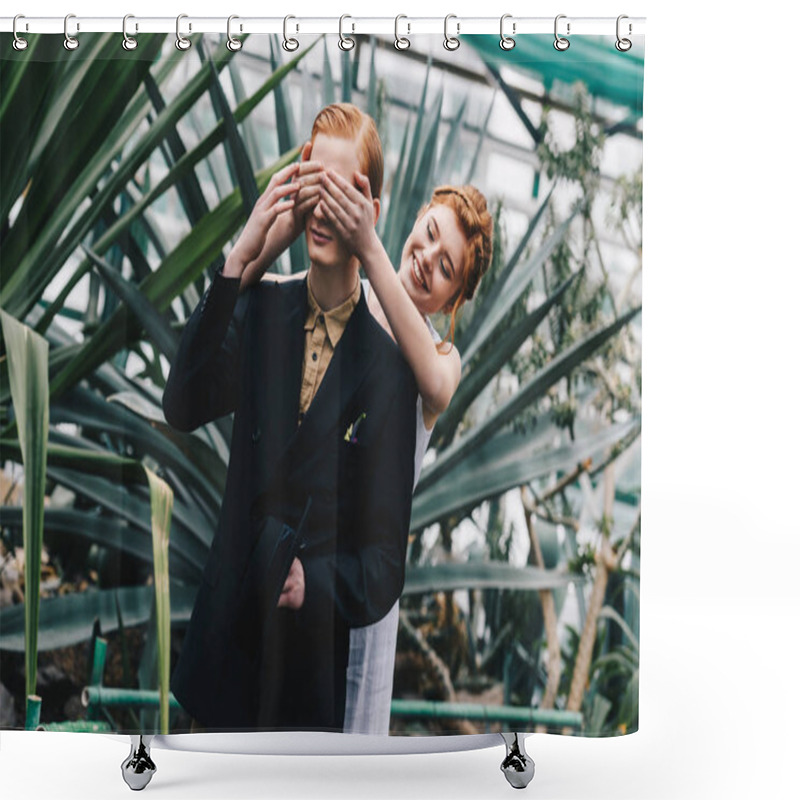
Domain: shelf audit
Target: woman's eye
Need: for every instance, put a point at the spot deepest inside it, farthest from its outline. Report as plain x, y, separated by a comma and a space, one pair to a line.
430, 233
444, 270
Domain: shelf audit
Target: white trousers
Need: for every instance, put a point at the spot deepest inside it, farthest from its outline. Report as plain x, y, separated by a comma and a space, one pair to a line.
370, 674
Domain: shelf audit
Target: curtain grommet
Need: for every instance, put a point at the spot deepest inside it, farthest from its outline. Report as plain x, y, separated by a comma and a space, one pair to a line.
181, 42
19, 44
623, 45
233, 44
507, 42
561, 44
289, 44
70, 42
128, 42
451, 43
401, 42
345, 42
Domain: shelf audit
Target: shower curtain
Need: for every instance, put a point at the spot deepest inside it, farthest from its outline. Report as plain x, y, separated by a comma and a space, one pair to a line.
144, 552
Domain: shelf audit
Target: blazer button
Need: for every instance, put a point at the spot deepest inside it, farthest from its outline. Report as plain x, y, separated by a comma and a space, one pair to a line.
256, 435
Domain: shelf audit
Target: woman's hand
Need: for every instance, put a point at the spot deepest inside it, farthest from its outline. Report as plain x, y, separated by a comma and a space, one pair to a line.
287, 227
351, 211
266, 210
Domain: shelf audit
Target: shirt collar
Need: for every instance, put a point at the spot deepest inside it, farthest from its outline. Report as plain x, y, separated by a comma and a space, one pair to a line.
336, 318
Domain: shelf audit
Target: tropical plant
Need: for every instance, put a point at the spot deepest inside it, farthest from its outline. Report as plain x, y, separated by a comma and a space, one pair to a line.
64, 145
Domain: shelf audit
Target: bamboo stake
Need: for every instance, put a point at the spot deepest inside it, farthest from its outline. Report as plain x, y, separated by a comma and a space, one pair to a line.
437, 667
33, 708
554, 665
607, 562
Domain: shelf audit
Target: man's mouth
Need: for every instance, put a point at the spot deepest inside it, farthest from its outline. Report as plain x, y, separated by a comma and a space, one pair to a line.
319, 237
417, 272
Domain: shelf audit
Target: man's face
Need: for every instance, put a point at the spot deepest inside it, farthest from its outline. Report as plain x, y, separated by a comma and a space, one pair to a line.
325, 247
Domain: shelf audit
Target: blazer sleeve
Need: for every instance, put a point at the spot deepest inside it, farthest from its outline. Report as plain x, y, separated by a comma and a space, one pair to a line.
367, 577
203, 382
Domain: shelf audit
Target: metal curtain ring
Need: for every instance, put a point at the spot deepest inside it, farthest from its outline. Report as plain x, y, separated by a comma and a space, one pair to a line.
623, 45
233, 44
507, 42
19, 43
289, 44
451, 42
181, 42
128, 42
561, 43
345, 42
70, 42
400, 42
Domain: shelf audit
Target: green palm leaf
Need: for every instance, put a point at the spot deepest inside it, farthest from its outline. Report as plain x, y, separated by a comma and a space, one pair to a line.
449, 577
558, 368
240, 168
475, 378
490, 298
68, 620
68, 172
183, 265
156, 327
161, 514
110, 532
515, 284
504, 462
27, 371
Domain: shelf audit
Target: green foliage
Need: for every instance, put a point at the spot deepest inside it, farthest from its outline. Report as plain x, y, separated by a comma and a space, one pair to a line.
26, 355
581, 162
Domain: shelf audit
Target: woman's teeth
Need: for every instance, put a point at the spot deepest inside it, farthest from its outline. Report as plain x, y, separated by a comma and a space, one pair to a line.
418, 272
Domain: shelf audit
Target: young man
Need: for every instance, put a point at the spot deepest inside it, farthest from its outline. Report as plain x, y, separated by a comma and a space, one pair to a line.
324, 429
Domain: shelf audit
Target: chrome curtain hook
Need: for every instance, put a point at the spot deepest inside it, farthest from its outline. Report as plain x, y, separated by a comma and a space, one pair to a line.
233, 44
70, 42
561, 43
181, 42
19, 43
623, 45
289, 44
507, 42
345, 42
451, 42
400, 42
128, 42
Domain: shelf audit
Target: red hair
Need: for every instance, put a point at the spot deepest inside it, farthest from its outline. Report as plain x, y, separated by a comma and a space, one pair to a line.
346, 121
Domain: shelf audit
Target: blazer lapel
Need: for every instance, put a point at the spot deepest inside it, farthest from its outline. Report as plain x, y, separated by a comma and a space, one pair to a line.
283, 395
351, 361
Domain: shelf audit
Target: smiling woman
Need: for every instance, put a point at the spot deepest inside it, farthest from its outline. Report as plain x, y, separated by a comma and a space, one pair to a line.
444, 257
432, 267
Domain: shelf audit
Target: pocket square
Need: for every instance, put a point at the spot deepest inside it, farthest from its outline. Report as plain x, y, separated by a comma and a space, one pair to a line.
351, 434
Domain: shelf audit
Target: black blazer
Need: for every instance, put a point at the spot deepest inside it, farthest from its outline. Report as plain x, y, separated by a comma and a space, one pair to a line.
243, 353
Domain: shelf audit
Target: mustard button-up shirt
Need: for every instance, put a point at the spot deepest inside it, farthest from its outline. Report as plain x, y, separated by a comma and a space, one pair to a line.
323, 331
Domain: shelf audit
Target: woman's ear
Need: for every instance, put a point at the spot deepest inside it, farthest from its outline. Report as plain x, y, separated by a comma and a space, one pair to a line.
305, 153
376, 205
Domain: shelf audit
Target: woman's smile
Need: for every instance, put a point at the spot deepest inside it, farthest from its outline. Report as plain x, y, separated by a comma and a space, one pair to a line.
418, 274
